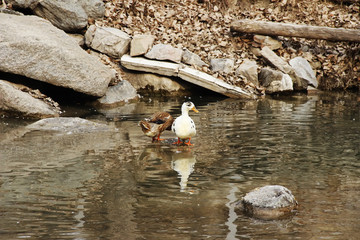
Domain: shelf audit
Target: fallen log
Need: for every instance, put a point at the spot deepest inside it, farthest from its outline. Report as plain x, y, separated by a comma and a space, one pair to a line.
295, 30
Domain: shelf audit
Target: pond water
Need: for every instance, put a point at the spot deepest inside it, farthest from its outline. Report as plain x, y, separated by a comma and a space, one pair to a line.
119, 185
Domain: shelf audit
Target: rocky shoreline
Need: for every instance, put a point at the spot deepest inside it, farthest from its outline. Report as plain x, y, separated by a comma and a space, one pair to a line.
105, 59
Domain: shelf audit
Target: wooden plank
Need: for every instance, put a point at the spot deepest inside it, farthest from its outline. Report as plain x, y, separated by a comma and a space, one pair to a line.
295, 30
186, 73
214, 84
153, 66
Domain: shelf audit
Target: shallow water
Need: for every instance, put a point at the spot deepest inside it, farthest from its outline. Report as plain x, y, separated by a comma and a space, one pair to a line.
119, 185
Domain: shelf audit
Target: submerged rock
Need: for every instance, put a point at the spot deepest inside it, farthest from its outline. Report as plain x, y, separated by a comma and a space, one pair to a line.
268, 202
68, 125
21, 101
32, 47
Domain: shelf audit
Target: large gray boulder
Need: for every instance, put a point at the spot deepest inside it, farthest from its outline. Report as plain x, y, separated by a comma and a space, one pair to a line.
110, 41
68, 15
21, 101
33, 47
65, 14
268, 202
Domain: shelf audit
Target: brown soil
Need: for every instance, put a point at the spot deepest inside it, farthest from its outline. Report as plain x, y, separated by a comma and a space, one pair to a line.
203, 27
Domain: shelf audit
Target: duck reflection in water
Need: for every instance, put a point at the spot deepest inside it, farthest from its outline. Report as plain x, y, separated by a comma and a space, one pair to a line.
183, 162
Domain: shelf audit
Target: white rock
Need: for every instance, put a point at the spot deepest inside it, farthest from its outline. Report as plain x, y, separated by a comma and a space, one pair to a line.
304, 70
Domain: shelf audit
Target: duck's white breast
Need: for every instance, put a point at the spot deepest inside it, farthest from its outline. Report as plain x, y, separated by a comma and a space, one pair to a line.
184, 127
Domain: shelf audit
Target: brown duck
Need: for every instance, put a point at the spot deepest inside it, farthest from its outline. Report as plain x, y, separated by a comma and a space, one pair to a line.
156, 124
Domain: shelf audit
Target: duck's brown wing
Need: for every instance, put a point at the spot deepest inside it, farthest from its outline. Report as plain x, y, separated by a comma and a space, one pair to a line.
160, 117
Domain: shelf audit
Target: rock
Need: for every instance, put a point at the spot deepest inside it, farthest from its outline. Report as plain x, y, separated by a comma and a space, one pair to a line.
156, 84
268, 202
275, 81
32, 47
224, 65
23, 3
304, 70
141, 44
110, 41
283, 66
68, 125
121, 93
21, 103
68, 15
165, 52
266, 41
192, 59
93, 8
248, 69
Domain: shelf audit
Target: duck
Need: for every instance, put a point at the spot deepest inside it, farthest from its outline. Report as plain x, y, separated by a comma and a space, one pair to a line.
184, 126
156, 124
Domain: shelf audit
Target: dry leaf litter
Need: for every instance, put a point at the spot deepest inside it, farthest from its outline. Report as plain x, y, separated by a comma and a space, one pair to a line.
203, 27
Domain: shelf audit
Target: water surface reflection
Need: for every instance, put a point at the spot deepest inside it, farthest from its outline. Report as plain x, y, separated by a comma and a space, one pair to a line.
119, 185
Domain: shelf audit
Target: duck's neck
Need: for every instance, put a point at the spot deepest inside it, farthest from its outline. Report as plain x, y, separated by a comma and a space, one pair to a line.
185, 111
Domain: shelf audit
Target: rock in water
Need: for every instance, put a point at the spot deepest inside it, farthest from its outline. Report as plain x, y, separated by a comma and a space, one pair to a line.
32, 47
268, 202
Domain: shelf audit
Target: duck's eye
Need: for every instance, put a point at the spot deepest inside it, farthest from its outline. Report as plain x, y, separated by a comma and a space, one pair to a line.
188, 104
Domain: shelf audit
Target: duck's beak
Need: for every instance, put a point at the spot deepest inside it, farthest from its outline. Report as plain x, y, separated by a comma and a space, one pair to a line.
195, 110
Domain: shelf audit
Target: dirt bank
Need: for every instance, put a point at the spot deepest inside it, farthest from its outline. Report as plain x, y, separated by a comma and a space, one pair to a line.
203, 27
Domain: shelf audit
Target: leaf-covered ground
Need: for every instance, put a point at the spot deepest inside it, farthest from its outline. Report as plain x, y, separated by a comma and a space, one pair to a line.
203, 27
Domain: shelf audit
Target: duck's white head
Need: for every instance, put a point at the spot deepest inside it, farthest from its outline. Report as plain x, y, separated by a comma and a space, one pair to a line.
187, 106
